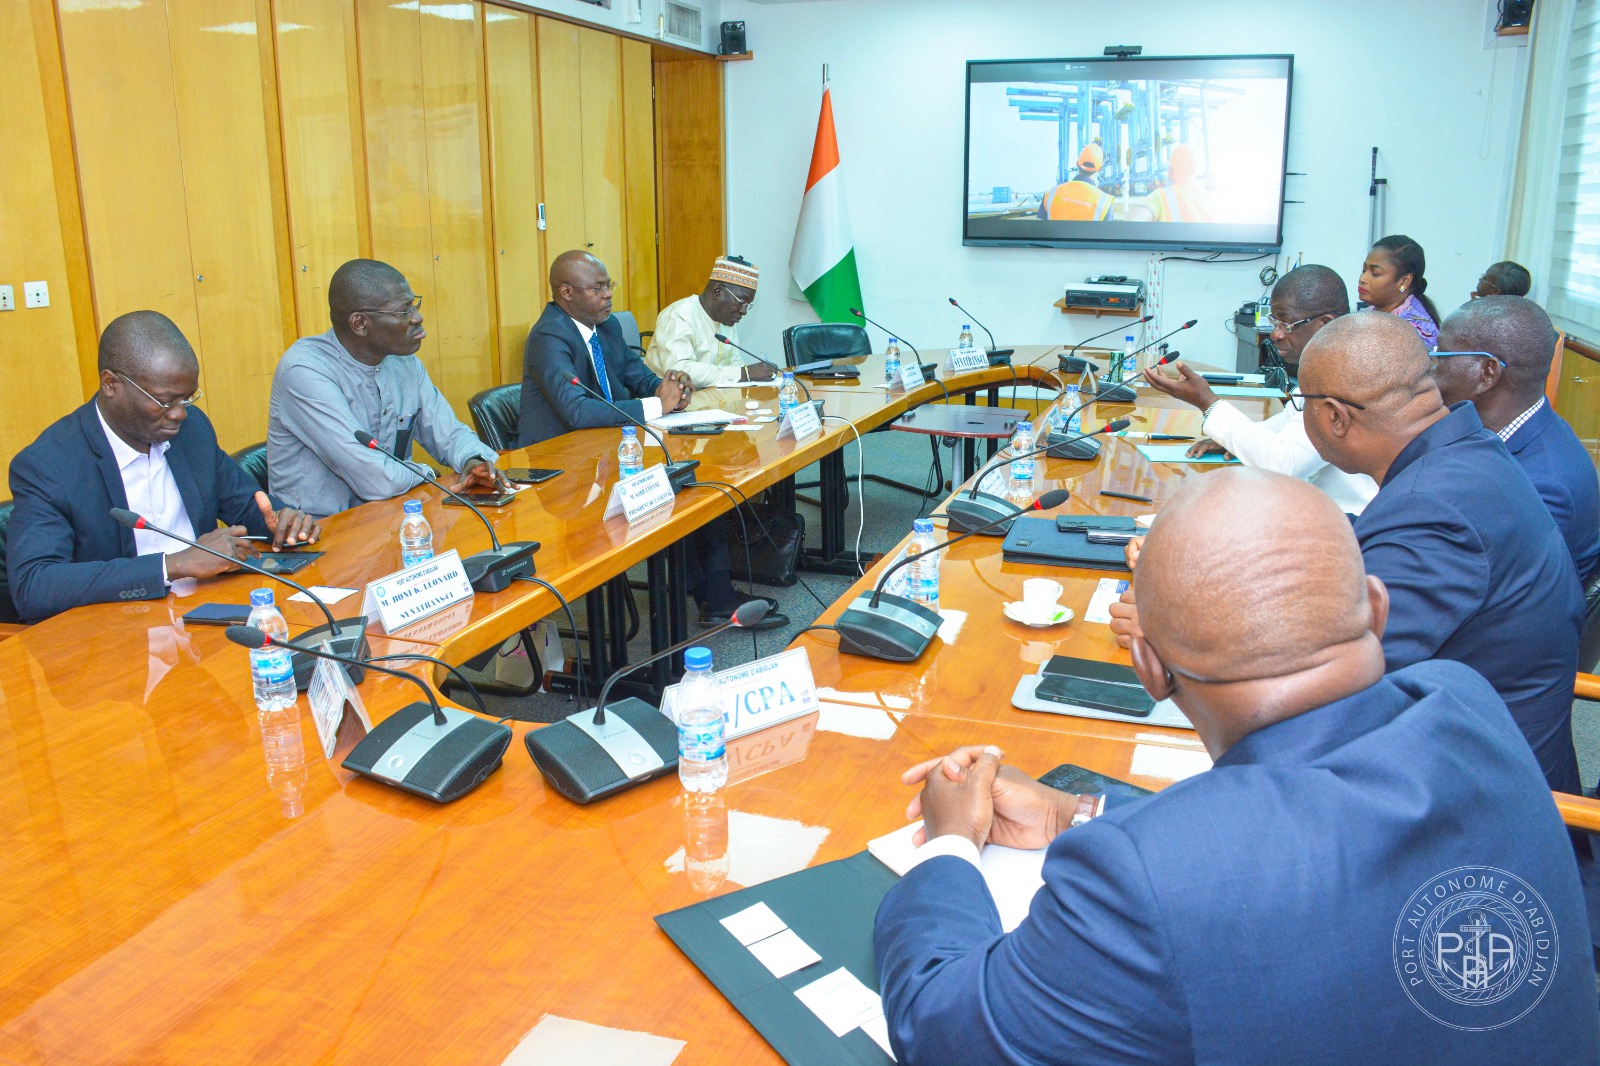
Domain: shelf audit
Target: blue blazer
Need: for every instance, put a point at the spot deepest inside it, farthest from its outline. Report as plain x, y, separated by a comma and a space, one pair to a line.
65, 550
1261, 912
1478, 573
1563, 475
554, 354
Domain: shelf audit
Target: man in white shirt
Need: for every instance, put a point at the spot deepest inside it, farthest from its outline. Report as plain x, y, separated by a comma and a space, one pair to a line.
685, 338
1303, 301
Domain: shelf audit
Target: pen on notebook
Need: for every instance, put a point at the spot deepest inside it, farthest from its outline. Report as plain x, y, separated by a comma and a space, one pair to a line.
1169, 436
1127, 496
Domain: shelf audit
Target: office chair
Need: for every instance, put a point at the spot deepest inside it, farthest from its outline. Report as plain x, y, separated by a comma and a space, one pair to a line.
254, 461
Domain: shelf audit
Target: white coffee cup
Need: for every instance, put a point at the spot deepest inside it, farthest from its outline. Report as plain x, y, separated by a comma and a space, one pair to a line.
1039, 596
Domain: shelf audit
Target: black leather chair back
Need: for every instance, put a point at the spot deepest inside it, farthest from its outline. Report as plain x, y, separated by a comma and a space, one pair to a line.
254, 461
1589, 642
630, 328
824, 340
8, 610
494, 415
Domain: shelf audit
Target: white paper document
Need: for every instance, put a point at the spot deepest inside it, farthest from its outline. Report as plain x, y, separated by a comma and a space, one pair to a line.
753, 924
783, 953
841, 1001
1106, 593
692, 418
878, 1029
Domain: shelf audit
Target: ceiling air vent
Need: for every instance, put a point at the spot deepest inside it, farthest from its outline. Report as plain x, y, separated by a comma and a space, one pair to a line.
683, 22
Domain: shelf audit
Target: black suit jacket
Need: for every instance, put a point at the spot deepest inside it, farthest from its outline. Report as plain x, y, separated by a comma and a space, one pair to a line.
554, 355
65, 549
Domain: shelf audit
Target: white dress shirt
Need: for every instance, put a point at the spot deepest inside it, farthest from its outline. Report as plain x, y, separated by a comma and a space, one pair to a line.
1280, 444
152, 492
652, 404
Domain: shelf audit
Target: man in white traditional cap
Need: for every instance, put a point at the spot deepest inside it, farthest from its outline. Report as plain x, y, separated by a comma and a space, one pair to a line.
685, 339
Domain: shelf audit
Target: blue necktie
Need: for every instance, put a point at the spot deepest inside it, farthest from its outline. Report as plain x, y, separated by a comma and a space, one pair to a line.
599, 363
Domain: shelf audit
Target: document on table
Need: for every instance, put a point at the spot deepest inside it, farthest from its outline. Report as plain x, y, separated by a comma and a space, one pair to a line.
1177, 453
841, 1001
773, 943
1106, 593
1013, 875
675, 419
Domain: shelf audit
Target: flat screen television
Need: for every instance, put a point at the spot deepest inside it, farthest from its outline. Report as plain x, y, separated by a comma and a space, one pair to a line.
1148, 152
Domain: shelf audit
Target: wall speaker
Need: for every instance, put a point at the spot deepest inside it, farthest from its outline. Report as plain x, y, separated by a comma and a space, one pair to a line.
733, 43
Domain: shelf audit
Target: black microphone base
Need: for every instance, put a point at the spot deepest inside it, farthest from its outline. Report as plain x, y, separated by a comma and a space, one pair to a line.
1001, 356
494, 570
349, 639
411, 752
1116, 394
680, 475
1071, 364
587, 762
965, 513
1062, 446
898, 629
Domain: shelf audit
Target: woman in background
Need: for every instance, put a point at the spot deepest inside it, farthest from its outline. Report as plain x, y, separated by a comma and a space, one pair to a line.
1392, 281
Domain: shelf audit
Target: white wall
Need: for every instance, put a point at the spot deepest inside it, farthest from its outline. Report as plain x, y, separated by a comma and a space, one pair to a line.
1421, 80
636, 16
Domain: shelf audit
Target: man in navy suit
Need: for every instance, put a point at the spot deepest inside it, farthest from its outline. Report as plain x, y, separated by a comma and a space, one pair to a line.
140, 444
1476, 570
1342, 886
1496, 352
576, 337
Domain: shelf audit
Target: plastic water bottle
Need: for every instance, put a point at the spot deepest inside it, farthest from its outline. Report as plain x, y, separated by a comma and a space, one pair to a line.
1021, 487
788, 394
1075, 417
271, 669
891, 361
416, 536
630, 453
966, 337
924, 584
702, 753
1125, 365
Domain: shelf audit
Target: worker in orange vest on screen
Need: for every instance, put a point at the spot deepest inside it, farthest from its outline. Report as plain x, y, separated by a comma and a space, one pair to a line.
1182, 199
1079, 200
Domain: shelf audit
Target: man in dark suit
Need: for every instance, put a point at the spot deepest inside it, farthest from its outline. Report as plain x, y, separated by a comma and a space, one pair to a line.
1476, 569
577, 337
139, 444
1496, 352
1342, 886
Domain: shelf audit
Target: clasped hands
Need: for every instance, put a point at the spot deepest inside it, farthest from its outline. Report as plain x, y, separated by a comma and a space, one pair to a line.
972, 794
674, 391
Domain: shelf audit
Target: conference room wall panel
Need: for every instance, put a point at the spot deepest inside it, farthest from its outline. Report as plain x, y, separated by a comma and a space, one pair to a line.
690, 215
639, 183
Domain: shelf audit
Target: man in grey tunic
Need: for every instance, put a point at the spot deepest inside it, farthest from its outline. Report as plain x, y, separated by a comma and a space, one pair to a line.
362, 374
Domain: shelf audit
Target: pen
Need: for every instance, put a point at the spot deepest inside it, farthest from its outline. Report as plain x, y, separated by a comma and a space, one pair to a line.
1126, 496
1168, 436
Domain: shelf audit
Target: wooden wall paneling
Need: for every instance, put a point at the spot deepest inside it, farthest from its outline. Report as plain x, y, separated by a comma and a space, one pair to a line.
600, 112
561, 136
389, 42
118, 68
511, 51
690, 175
639, 183
40, 363
322, 149
228, 163
453, 98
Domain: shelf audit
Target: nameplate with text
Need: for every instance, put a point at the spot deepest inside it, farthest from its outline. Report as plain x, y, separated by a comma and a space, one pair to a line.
759, 694
329, 693
911, 375
801, 422
418, 591
961, 360
639, 494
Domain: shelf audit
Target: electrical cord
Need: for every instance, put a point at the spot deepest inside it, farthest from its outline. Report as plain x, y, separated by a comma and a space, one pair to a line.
744, 537
457, 674
1214, 257
861, 468
765, 532
819, 625
577, 645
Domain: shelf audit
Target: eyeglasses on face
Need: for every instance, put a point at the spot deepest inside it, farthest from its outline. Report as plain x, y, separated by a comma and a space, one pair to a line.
1452, 355
599, 288
1298, 400
186, 401
411, 308
1290, 327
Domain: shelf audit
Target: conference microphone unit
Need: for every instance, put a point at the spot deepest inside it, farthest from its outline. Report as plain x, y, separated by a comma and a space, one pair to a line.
996, 354
605, 750
929, 370
1121, 361
991, 514
1070, 364
438, 753
781, 370
490, 571
680, 474
897, 628
347, 636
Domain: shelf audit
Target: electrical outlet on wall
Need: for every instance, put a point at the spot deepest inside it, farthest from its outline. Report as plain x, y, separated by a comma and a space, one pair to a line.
8, 298
35, 294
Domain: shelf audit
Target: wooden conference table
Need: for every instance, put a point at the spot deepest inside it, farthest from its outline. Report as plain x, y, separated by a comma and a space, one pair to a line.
164, 901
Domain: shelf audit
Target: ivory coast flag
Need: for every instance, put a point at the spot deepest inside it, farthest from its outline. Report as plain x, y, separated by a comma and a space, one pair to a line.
823, 262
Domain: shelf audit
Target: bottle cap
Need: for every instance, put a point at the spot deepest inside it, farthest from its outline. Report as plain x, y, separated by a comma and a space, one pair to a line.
697, 658
1129, 338
965, 325
413, 507
261, 597
630, 431
788, 375
1024, 427
894, 340
922, 525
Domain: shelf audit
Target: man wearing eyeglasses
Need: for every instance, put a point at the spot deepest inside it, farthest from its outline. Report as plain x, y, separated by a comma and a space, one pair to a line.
1303, 301
685, 336
139, 444
1496, 352
361, 375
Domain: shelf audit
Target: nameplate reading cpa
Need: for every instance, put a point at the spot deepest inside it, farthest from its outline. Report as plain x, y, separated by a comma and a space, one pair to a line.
759, 694
329, 693
911, 375
961, 360
801, 422
418, 591
639, 494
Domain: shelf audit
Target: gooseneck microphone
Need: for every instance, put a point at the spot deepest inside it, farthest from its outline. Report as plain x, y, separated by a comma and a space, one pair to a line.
593, 754
1071, 365
490, 571
933, 377
680, 474
1123, 393
347, 636
762, 359
986, 512
1121, 360
439, 753
996, 354
898, 628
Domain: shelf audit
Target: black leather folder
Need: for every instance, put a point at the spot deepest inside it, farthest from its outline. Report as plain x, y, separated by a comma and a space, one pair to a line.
1037, 540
